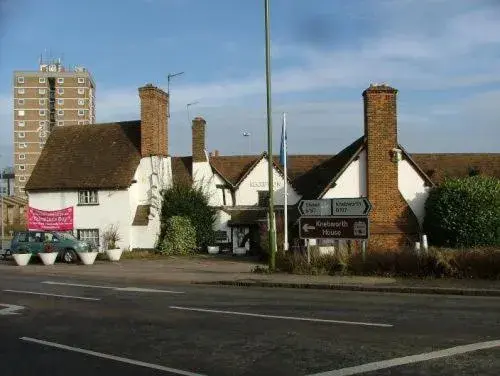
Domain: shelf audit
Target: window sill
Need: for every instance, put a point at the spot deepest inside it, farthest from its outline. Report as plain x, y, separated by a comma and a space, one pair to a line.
79, 204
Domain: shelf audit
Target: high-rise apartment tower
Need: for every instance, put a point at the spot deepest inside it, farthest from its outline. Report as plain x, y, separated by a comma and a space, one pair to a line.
52, 96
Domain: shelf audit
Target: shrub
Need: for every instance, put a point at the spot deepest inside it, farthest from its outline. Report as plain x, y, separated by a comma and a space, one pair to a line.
111, 237
180, 237
464, 212
192, 203
437, 263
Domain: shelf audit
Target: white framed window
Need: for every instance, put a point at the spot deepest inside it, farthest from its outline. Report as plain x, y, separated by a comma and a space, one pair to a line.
81, 80
88, 197
22, 167
81, 112
41, 102
43, 133
20, 112
81, 102
22, 178
81, 122
23, 145
41, 91
41, 112
41, 80
81, 90
42, 123
20, 101
90, 236
60, 123
60, 80
22, 156
60, 101
60, 90
20, 90
21, 134
60, 112
21, 123
20, 80
86, 122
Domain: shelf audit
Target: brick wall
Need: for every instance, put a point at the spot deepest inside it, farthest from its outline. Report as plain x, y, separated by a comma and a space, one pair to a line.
392, 222
198, 141
154, 126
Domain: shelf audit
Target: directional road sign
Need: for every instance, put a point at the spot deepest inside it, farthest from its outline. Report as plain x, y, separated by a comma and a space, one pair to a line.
319, 227
338, 207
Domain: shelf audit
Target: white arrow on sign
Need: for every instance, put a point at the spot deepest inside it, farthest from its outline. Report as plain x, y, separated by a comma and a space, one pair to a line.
307, 227
10, 310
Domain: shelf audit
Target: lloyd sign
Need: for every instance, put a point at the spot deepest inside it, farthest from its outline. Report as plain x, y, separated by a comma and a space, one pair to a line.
354, 228
338, 207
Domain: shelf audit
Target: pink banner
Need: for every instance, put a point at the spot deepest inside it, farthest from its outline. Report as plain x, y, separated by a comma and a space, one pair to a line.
54, 220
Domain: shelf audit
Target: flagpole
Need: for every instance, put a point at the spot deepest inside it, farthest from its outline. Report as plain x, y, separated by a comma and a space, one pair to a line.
285, 146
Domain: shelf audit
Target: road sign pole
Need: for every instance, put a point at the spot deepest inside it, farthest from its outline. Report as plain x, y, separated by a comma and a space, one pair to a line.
363, 250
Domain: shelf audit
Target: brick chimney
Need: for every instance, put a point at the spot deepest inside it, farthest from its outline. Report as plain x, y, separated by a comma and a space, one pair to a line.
392, 222
154, 122
198, 142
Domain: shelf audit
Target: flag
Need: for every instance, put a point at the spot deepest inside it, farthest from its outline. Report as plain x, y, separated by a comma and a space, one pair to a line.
284, 146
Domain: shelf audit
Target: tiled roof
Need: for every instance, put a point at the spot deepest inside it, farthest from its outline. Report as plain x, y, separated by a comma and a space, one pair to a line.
182, 170
141, 217
442, 165
234, 167
102, 156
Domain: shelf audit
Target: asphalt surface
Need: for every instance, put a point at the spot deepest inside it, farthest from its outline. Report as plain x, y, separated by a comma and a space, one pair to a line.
192, 332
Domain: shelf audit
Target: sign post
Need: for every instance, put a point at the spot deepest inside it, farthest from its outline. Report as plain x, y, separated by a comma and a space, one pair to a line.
337, 207
346, 228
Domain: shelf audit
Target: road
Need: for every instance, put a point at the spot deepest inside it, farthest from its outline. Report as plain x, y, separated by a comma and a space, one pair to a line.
89, 327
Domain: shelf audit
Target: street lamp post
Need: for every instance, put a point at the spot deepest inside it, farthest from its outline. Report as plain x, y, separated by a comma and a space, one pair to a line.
187, 109
249, 136
272, 226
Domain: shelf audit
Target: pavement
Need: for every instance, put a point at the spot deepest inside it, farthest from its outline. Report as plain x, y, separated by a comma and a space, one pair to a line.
238, 271
81, 325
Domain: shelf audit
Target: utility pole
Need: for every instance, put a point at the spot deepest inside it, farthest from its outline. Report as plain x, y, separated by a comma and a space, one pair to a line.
1, 197
272, 222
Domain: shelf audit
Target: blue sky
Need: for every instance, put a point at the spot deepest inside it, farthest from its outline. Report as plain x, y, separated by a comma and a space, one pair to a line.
442, 55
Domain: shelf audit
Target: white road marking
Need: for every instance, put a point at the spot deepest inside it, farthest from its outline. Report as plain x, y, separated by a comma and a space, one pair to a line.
128, 289
110, 357
56, 295
139, 289
368, 367
282, 317
78, 285
10, 310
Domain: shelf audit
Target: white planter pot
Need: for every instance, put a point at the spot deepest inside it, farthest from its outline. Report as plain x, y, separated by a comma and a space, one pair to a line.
22, 259
48, 258
240, 251
87, 258
213, 250
114, 254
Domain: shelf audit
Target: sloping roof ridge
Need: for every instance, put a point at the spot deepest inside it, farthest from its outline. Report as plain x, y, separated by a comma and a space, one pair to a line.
416, 166
250, 169
458, 154
362, 144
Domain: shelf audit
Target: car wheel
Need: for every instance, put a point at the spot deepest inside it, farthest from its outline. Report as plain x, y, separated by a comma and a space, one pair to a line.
69, 256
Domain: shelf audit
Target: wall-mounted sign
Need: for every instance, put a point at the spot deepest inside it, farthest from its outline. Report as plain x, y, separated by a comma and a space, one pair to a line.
53, 220
264, 184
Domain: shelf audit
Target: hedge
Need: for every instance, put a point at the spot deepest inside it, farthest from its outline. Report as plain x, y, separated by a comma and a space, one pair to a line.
464, 212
